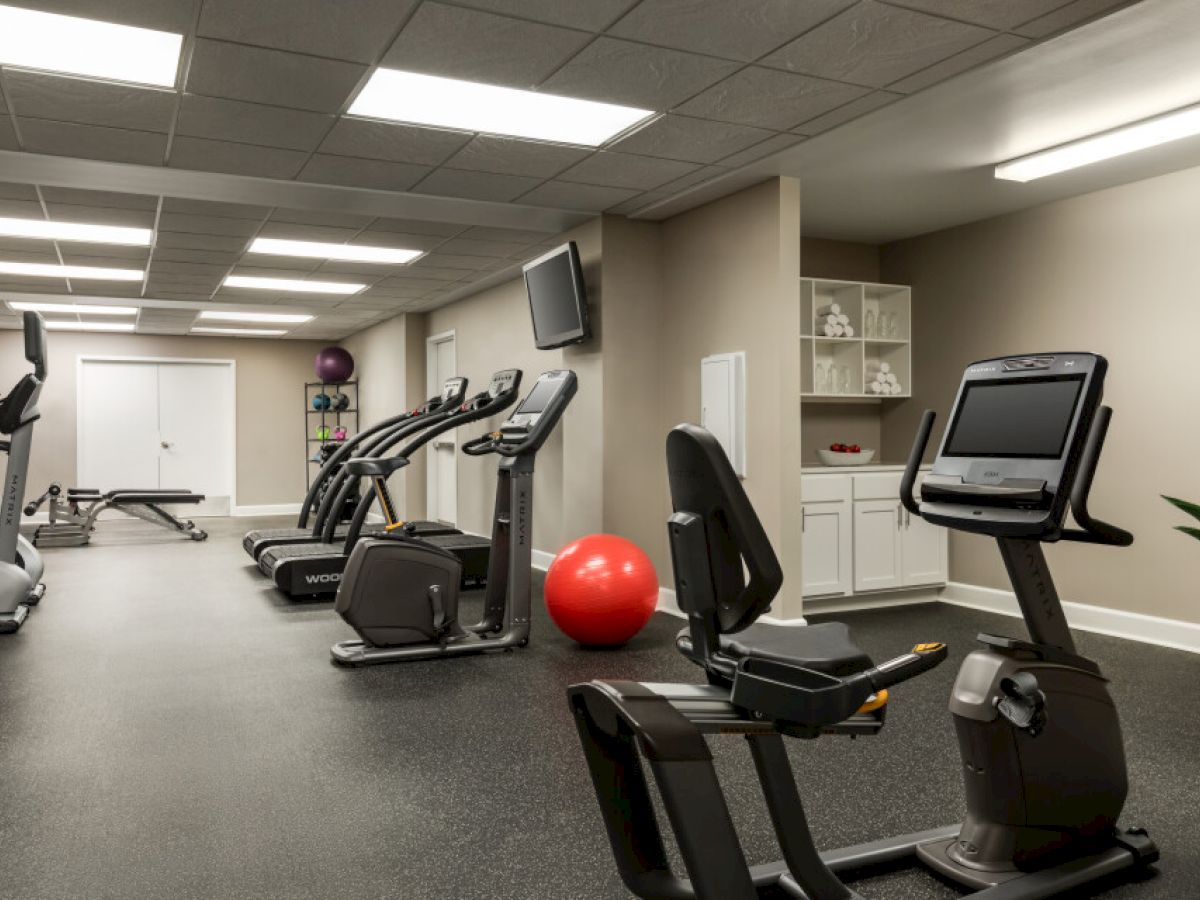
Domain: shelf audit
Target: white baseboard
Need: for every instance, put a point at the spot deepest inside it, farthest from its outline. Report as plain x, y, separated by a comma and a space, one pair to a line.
542, 559
1101, 620
268, 509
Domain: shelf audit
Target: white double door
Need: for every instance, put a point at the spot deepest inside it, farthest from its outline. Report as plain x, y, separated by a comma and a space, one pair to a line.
158, 424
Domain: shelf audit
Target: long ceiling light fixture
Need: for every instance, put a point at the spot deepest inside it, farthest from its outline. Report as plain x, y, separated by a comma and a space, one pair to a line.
342, 252
218, 315
1142, 135
292, 285
83, 273
37, 229
242, 332
468, 106
73, 309
76, 46
67, 325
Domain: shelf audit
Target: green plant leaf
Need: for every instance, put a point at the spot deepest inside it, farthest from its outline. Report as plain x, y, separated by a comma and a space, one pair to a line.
1192, 509
1194, 532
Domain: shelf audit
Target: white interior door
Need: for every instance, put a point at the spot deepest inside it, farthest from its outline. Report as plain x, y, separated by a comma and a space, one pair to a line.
195, 437
442, 479
158, 424
118, 425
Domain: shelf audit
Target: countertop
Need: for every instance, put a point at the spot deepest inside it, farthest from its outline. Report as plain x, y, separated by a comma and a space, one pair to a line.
872, 469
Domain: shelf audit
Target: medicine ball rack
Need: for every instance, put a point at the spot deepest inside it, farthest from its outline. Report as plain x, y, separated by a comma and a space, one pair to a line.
329, 418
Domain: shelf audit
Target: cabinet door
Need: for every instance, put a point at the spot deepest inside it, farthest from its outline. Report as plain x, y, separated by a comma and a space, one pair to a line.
877, 545
826, 566
923, 551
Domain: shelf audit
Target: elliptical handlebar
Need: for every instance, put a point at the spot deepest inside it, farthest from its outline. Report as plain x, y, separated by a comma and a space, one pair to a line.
1092, 530
913, 467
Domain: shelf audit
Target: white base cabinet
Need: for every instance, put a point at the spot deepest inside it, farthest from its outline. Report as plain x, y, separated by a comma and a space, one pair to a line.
858, 538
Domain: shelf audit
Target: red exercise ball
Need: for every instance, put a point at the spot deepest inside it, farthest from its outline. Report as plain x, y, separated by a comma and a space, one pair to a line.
601, 590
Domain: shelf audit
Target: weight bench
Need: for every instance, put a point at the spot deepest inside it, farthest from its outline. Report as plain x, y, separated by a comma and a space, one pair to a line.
73, 513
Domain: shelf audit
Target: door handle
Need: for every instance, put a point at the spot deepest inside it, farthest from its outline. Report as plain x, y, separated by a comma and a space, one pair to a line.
907, 519
899, 517
803, 520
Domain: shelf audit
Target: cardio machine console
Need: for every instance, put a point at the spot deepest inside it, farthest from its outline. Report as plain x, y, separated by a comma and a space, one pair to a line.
1010, 454
453, 391
527, 429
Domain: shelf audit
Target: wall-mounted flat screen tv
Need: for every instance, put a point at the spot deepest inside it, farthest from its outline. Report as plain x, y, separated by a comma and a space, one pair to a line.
557, 298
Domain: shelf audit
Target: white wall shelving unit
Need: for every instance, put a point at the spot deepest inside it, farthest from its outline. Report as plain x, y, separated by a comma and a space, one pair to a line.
862, 353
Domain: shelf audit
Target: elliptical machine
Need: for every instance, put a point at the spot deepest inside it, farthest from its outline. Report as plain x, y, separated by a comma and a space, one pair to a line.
1041, 744
20, 564
400, 593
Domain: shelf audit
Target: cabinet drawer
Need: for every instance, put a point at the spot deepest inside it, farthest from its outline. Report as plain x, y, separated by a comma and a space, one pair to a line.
877, 486
824, 488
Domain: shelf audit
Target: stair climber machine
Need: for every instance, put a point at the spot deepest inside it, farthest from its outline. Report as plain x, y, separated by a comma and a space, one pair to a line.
20, 564
401, 593
313, 569
319, 502
1043, 758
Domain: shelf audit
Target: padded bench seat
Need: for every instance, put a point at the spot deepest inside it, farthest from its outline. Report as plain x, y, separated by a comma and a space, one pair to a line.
826, 648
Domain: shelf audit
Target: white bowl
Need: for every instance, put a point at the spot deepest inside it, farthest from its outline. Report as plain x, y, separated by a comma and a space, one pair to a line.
832, 458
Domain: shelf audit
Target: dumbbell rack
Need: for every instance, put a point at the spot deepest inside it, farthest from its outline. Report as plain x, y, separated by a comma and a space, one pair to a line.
330, 418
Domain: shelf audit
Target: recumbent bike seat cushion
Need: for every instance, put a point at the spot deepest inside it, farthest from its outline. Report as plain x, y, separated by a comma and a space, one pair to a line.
826, 648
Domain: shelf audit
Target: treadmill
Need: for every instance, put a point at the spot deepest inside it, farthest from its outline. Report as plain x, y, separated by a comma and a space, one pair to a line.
319, 503
313, 569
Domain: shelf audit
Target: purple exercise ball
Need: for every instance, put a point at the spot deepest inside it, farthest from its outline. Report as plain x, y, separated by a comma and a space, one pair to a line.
334, 365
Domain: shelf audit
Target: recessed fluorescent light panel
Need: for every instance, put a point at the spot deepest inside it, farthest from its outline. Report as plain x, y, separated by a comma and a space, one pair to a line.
57, 325
245, 332
84, 273
53, 43
71, 231
1127, 139
291, 285
345, 252
74, 309
468, 106
218, 315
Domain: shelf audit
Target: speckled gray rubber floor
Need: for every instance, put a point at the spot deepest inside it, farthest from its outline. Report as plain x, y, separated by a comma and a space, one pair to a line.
171, 727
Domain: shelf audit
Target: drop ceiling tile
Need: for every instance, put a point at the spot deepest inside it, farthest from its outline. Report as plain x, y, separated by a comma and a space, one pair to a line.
99, 198
874, 44
508, 156
238, 72
93, 215
12, 191
33, 285
32, 252
320, 217
589, 15
398, 240
1069, 16
415, 226
40, 96
122, 257
294, 231
251, 123
366, 139
771, 145
195, 270
848, 112
693, 140
1001, 14
188, 239
72, 257
475, 185
475, 247
319, 27
479, 46
8, 137
175, 295
215, 208
336, 270
636, 202
236, 159
164, 15
771, 99
297, 266
205, 225
513, 235
164, 254
744, 30
442, 260
175, 281
586, 197
425, 272
625, 170
395, 291
365, 173
22, 209
623, 72
700, 176
1000, 45
93, 142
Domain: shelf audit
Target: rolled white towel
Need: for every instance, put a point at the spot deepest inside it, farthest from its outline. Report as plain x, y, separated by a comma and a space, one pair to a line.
895, 389
880, 378
849, 331
839, 330
843, 319
890, 378
832, 319
826, 330
833, 309
885, 368
875, 387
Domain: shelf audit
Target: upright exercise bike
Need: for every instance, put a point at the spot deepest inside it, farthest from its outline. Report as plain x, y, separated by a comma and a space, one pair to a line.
20, 564
1043, 758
